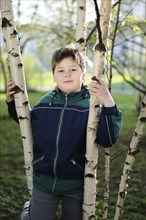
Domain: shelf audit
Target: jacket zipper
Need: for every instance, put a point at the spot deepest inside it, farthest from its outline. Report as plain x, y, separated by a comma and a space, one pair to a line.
57, 143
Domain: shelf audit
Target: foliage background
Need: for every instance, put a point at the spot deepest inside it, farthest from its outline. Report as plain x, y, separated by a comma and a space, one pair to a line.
44, 26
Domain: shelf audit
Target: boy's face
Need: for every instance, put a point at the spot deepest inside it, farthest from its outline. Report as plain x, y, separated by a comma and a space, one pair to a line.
68, 75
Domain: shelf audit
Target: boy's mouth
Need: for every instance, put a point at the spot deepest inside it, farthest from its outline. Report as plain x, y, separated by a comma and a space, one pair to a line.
68, 81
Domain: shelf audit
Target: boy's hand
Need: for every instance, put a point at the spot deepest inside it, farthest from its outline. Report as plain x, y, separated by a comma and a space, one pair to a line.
100, 90
10, 90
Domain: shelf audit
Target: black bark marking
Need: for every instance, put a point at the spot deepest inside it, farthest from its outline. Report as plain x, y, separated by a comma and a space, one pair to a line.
14, 34
89, 175
133, 153
14, 54
22, 118
20, 65
17, 89
135, 133
23, 137
82, 8
100, 47
143, 104
25, 103
127, 163
143, 119
6, 23
127, 172
80, 41
91, 129
96, 106
105, 208
122, 194
27, 168
95, 167
92, 217
107, 154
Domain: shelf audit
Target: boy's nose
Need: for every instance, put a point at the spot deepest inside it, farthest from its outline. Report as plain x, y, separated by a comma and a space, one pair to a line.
67, 73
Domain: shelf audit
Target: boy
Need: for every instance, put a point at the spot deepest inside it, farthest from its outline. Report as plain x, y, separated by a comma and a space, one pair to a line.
59, 124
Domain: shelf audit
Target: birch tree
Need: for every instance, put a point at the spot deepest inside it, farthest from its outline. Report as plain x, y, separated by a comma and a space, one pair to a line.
94, 112
133, 150
17, 74
81, 25
106, 185
107, 151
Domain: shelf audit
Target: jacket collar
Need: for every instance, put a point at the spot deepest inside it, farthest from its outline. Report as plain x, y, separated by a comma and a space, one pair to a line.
58, 93
84, 91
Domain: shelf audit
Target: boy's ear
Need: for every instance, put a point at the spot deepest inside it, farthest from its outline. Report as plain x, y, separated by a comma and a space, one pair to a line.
83, 76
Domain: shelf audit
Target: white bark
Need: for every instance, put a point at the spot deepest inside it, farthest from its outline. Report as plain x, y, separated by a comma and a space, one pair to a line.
106, 187
94, 113
133, 150
81, 25
17, 74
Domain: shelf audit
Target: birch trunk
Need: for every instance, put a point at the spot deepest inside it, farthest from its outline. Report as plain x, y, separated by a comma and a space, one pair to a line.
17, 74
106, 187
94, 114
81, 25
133, 150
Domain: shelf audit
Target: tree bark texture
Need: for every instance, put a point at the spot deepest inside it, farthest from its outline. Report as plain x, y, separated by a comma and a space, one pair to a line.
17, 74
81, 25
94, 114
133, 150
106, 187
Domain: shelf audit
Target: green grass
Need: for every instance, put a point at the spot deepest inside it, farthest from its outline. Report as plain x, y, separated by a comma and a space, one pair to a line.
13, 190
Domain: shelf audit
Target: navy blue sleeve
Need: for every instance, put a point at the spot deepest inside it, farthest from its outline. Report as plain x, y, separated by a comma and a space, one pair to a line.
109, 126
12, 110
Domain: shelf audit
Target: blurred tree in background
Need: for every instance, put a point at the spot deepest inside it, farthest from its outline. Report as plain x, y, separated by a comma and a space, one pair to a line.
46, 25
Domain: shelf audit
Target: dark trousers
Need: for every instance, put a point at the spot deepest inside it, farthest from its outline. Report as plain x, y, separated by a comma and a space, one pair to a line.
43, 206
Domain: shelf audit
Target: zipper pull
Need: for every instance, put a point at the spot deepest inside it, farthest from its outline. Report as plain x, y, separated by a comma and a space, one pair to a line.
72, 160
66, 97
76, 164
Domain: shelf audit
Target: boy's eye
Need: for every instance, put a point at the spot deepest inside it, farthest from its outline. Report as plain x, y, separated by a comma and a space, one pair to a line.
73, 69
60, 71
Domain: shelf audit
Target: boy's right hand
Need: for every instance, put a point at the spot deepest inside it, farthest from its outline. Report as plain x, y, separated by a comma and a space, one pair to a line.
10, 90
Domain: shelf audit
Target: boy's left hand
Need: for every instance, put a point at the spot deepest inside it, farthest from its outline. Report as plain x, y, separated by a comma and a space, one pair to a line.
100, 90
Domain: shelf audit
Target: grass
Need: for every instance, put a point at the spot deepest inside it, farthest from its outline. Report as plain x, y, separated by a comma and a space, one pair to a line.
13, 183
13, 191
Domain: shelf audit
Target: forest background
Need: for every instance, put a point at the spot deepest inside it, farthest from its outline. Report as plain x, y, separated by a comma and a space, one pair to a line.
44, 26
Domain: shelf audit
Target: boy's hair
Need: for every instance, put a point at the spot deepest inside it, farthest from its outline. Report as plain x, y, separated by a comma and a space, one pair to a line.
65, 52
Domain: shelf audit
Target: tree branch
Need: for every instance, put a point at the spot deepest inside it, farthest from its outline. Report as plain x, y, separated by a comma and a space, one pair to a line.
129, 82
100, 46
